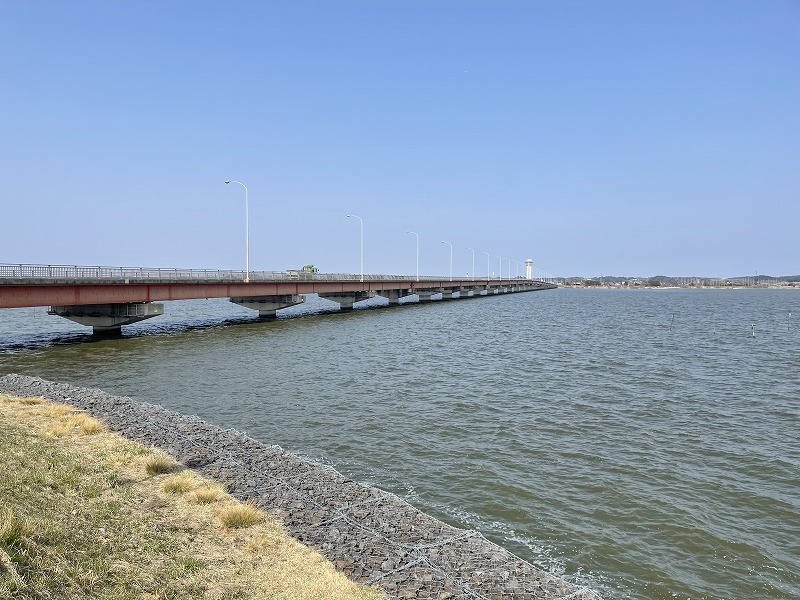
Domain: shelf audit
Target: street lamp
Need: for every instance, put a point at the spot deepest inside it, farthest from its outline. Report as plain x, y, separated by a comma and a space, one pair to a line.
473, 262
451, 258
487, 264
416, 234
362, 244
501, 268
246, 229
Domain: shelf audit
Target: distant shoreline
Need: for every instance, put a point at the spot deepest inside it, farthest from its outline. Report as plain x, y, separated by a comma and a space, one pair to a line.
676, 287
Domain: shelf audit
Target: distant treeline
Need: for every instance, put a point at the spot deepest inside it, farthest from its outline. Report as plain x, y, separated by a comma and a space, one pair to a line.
664, 280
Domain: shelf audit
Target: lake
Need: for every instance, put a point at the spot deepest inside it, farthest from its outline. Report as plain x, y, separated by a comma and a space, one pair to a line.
640, 442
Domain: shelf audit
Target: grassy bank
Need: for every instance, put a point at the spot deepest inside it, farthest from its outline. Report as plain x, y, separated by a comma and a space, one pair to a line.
85, 513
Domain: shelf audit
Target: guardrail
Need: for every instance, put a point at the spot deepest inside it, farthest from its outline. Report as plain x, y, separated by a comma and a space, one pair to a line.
140, 274
72, 272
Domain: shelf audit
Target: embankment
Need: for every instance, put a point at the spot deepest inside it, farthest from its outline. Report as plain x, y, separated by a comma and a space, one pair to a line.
371, 535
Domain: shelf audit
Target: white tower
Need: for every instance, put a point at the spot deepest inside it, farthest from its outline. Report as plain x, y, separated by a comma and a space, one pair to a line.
529, 269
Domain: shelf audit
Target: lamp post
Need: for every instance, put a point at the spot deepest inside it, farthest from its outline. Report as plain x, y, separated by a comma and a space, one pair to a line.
246, 229
473, 262
362, 243
416, 234
451, 258
501, 268
487, 264
509, 269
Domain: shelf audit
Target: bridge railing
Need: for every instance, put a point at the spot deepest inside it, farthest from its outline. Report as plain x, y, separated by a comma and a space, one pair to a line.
75, 273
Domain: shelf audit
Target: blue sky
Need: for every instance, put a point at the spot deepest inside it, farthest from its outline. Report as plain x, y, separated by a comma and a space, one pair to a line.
618, 137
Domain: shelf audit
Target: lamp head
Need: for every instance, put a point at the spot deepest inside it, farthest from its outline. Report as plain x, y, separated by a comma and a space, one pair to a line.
228, 181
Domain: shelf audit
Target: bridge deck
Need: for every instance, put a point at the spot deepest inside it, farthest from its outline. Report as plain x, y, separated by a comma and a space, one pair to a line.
46, 285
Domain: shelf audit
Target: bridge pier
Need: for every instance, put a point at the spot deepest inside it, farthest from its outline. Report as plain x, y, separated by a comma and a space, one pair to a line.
393, 296
347, 299
425, 294
268, 306
108, 319
462, 292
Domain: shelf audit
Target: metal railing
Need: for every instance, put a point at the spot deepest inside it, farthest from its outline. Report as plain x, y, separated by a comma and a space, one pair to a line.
74, 273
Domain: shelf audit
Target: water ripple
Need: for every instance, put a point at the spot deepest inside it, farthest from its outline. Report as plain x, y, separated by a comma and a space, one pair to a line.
642, 443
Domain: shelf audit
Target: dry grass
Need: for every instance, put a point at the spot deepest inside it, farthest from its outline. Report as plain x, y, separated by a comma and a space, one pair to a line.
77, 424
240, 515
160, 464
208, 494
13, 529
50, 409
102, 526
180, 483
30, 401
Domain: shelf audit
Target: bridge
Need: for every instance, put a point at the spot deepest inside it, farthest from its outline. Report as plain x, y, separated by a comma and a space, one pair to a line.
106, 298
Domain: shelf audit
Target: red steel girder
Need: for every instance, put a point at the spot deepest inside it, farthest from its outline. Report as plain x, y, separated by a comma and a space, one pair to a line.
17, 296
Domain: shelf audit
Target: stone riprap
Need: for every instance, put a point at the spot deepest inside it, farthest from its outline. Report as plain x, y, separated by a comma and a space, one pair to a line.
370, 535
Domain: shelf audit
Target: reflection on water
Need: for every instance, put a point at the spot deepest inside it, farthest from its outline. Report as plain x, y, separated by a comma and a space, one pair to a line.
641, 442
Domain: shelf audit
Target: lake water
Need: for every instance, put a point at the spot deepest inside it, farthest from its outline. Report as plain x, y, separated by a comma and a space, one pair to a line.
643, 443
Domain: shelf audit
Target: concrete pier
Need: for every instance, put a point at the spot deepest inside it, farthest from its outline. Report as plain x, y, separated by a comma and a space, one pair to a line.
268, 306
425, 294
393, 296
347, 299
108, 319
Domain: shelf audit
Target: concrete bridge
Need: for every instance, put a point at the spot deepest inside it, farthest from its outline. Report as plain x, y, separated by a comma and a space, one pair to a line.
106, 298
